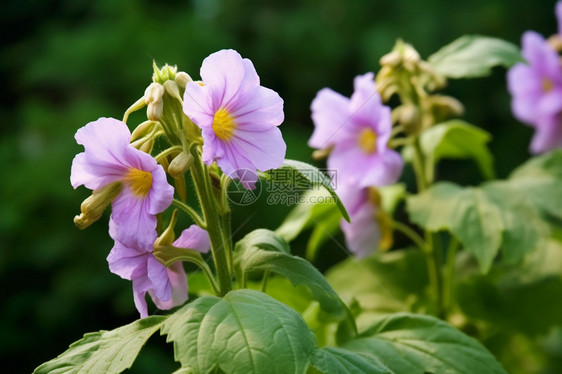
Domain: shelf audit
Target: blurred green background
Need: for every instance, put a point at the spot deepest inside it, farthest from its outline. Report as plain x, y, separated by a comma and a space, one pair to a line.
65, 63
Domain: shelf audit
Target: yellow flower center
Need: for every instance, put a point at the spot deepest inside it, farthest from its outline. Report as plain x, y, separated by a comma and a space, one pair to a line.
547, 85
367, 140
223, 124
140, 181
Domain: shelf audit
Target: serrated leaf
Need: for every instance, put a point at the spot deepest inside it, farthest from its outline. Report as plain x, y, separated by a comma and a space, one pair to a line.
474, 56
418, 344
331, 360
299, 271
303, 175
541, 180
244, 332
483, 219
104, 351
456, 139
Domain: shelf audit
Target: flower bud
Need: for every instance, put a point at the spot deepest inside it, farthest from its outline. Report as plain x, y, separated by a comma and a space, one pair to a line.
444, 107
154, 110
153, 93
182, 79
143, 129
173, 90
409, 116
321, 154
167, 72
180, 164
168, 236
93, 207
392, 59
147, 146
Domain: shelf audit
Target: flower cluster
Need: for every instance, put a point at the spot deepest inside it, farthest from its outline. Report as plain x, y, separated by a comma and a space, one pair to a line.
238, 121
356, 130
536, 88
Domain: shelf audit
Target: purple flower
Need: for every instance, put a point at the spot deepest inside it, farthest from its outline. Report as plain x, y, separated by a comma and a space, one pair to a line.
238, 117
108, 157
358, 129
135, 261
536, 90
362, 234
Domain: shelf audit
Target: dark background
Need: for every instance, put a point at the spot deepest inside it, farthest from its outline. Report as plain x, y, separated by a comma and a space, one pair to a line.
66, 63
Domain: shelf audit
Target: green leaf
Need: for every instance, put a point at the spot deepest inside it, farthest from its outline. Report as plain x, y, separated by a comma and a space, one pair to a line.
517, 298
244, 332
391, 196
317, 204
105, 351
250, 255
331, 360
541, 180
483, 219
303, 176
474, 56
323, 230
384, 282
263, 239
456, 139
410, 343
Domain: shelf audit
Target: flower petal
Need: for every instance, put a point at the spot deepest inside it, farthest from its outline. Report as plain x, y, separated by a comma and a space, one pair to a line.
159, 277
140, 286
558, 11
194, 237
363, 234
330, 113
128, 263
178, 284
136, 227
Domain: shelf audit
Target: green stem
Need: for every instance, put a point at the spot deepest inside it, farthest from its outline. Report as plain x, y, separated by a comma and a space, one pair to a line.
419, 165
211, 217
191, 212
449, 274
264, 281
226, 222
406, 230
164, 153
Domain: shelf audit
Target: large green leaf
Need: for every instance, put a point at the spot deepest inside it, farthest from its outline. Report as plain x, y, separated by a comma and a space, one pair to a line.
483, 219
410, 343
474, 56
331, 360
541, 181
519, 299
105, 351
251, 255
244, 332
303, 176
456, 139
384, 282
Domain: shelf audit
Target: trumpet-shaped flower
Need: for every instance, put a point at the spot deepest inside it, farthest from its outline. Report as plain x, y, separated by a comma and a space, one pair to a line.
536, 90
358, 129
237, 116
135, 261
108, 157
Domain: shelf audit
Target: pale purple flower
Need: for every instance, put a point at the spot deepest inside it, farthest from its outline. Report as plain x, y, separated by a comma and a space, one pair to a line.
362, 233
108, 157
135, 261
358, 129
536, 90
237, 116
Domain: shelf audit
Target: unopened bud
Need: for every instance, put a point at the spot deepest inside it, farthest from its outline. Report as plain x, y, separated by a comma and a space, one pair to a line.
444, 107
154, 110
555, 41
143, 129
172, 89
147, 146
167, 72
153, 93
182, 79
409, 117
392, 59
168, 236
180, 164
93, 207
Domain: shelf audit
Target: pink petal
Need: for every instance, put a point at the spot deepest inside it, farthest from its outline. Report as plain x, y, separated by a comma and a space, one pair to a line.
128, 263
558, 11
257, 109
362, 235
140, 287
330, 114
178, 284
198, 104
135, 225
194, 238
161, 194
159, 277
